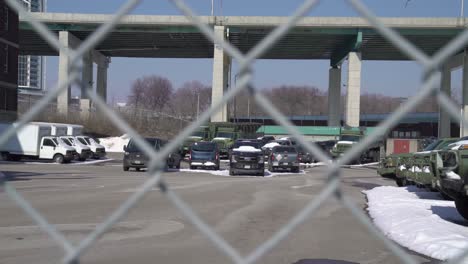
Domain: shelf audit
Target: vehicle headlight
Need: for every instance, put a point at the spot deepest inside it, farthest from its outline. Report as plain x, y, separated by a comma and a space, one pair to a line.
127, 153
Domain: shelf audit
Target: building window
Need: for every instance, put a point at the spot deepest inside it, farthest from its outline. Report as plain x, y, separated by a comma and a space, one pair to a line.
5, 18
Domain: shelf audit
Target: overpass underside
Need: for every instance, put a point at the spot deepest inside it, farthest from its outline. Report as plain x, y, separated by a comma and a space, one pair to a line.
334, 39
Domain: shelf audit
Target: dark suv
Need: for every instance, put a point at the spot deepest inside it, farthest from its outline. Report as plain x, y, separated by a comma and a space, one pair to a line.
134, 157
204, 155
247, 158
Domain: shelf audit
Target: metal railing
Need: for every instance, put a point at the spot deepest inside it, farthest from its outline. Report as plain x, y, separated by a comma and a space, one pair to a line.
429, 86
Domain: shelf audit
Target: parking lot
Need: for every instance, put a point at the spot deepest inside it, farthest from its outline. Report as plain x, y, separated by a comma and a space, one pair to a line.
244, 210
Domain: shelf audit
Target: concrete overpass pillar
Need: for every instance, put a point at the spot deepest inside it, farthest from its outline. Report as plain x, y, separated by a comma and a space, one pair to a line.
63, 99
87, 79
334, 96
221, 65
444, 117
353, 94
464, 109
101, 87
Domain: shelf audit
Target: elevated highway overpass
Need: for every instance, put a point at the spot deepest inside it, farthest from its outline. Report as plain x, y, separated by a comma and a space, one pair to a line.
327, 38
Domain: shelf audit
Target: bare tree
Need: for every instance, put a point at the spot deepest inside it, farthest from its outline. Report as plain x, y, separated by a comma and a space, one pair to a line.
151, 92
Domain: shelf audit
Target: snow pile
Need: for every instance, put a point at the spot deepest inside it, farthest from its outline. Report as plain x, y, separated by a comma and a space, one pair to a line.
247, 149
419, 220
221, 138
226, 173
453, 176
114, 144
402, 167
271, 145
458, 144
345, 142
426, 169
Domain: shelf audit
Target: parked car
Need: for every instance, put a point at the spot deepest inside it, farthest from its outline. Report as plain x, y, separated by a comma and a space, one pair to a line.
174, 159
266, 139
282, 158
204, 155
256, 143
304, 155
247, 158
134, 156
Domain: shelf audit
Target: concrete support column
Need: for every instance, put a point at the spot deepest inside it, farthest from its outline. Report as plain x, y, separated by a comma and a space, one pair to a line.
353, 94
334, 96
221, 65
85, 107
63, 99
464, 106
101, 87
444, 117
87, 74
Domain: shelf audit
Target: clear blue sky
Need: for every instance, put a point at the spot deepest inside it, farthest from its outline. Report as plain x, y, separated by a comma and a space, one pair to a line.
390, 78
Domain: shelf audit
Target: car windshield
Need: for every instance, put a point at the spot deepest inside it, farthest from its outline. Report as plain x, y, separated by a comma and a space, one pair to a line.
66, 141
55, 141
254, 144
132, 147
283, 142
444, 144
432, 146
351, 138
225, 134
83, 141
199, 134
285, 149
204, 147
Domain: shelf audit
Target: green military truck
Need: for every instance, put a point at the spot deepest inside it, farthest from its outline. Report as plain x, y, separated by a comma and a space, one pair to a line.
420, 168
452, 180
202, 134
350, 136
226, 133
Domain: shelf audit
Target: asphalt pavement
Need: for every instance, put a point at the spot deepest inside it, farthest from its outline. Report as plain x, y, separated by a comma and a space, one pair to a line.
244, 210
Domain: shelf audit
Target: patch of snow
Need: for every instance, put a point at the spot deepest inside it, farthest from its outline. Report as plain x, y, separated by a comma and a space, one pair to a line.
221, 138
346, 142
225, 173
90, 162
284, 138
453, 176
247, 149
426, 169
271, 145
423, 152
364, 165
115, 144
402, 167
419, 220
417, 169
209, 163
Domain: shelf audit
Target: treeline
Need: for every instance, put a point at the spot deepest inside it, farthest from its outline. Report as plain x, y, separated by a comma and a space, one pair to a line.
155, 93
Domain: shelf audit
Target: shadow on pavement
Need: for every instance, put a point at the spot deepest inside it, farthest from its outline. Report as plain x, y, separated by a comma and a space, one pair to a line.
323, 261
27, 176
449, 214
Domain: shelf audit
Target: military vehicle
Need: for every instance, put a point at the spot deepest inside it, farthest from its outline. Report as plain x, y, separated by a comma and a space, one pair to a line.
452, 178
350, 136
202, 134
420, 168
225, 134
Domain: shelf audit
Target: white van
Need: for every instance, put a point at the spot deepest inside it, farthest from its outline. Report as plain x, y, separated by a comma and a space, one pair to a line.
84, 152
98, 150
35, 140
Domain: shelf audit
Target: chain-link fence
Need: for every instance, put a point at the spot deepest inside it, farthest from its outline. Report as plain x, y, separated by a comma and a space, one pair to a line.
429, 86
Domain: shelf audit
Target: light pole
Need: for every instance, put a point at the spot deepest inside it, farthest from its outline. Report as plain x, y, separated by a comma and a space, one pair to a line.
198, 103
212, 11
462, 9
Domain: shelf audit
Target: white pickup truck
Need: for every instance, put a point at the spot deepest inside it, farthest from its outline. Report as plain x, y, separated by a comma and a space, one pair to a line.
35, 141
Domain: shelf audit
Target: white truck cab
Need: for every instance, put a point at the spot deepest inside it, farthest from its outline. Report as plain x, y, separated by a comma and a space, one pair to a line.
54, 148
98, 150
83, 151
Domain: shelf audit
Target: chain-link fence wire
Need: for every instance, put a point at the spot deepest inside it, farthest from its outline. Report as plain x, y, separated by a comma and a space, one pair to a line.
430, 86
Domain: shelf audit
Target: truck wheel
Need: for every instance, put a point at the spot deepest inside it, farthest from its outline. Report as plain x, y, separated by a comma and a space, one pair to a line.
81, 159
462, 207
192, 167
137, 169
58, 158
445, 196
125, 168
296, 170
231, 172
401, 182
178, 165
